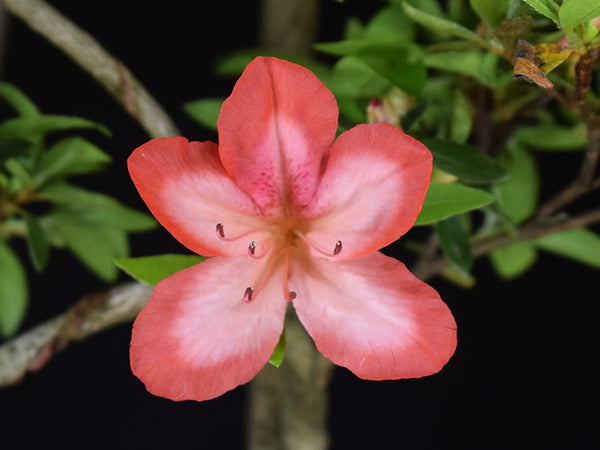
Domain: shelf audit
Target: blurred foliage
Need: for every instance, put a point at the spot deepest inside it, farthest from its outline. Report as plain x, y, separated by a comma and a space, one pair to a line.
39, 203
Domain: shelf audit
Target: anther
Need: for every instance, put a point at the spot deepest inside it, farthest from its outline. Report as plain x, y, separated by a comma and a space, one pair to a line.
252, 248
248, 294
220, 231
291, 295
338, 248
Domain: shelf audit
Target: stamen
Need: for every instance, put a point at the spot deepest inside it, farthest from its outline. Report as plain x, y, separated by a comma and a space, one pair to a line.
338, 247
336, 250
252, 248
220, 231
248, 294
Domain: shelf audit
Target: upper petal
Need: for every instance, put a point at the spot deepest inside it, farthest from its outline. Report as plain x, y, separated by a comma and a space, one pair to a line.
187, 189
374, 317
275, 131
197, 339
372, 190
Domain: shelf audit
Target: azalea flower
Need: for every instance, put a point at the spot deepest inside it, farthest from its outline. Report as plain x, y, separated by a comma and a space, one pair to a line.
288, 216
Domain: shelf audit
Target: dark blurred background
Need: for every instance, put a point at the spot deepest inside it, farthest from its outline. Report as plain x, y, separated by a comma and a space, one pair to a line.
521, 377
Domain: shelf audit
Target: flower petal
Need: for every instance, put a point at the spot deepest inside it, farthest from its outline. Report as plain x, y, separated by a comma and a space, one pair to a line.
275, 131
372, 190
197, 339
185, 186
374, 317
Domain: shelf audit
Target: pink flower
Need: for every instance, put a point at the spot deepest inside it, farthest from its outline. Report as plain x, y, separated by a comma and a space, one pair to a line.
289, 216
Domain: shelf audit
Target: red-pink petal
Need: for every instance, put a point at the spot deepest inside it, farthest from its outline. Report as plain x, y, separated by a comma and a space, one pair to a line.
197, 339
372, 190
185, 186
374, 317
274, 132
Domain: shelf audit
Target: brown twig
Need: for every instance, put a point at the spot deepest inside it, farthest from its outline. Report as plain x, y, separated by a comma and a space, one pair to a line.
93, 313
94, 59
525, 232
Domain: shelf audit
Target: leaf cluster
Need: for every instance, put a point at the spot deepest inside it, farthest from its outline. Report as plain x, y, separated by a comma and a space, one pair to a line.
455, 77
39, 203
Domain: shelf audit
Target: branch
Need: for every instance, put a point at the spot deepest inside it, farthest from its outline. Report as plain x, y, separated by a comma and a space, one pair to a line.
428, 269
93, 313
84, 50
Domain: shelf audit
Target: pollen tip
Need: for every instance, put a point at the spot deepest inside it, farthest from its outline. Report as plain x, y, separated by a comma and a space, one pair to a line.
220, 231
338, 248
252, 248
248, 294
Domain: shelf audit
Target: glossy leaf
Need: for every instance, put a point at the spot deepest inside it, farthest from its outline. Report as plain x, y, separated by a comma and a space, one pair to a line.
465, 162
445, 200
547, 137
13, 291
514, 260
39, 248
493, 12
205, 111
152, 269
576, 12
390, 24
97, 208
400, 63
454, 240
581, 245
95, 245
70, 156
518, 194
32, 128
18, 100
482, 66
436, 23
277, 357
547, 8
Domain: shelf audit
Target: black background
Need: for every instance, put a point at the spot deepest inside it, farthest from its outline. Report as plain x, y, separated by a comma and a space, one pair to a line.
521, 376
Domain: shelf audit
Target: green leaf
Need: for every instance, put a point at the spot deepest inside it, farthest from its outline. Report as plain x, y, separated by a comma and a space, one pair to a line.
33, 128
39, 248
445, 200
465, 162
277, 357
70, 156
547, 137
9, 148
97, 209
352, 78
400, 63
18, 100
547, 8
19, 173
205, 111
482, 66
454, 240
436, 23
576, 12
513, 261
518, 194
95, 245
13, 291
152, 269
581, 245
390, 24
493, 12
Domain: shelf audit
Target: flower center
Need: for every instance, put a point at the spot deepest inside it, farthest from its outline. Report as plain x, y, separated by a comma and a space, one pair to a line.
277, 248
